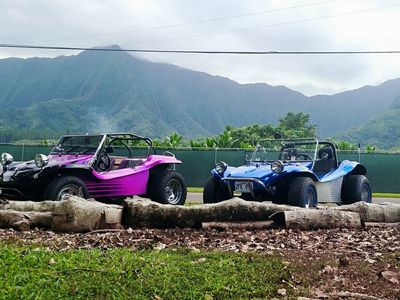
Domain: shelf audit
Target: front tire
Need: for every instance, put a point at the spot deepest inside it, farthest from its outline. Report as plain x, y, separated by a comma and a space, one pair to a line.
356, 188
215, 191
303, 193
168, 187
65, 186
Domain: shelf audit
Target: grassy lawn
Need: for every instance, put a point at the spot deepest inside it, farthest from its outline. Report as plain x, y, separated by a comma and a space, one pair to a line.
386, 195
39, 273
195, 189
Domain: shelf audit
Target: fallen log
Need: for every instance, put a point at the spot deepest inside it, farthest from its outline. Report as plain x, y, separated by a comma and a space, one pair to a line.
79, 215
25, 220
145, 213
311, 219
370, 212
71, 215
381, 225
255, 225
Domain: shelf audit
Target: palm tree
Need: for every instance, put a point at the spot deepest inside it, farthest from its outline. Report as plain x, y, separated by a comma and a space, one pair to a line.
224, 140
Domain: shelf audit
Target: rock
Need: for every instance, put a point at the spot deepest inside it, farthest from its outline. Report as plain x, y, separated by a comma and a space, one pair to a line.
391, 276
282, 292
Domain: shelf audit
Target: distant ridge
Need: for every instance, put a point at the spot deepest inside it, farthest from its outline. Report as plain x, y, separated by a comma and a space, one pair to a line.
113, 91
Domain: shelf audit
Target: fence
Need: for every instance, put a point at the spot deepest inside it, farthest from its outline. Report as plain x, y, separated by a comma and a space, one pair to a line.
383, 168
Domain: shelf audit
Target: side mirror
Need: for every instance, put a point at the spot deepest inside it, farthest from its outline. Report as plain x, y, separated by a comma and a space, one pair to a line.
109, 150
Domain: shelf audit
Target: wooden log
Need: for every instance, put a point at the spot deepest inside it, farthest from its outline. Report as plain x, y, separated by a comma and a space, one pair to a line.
78, 215
145, 213
25, 220
71, 215
38, 206
370, 212
381, 225
255, 225
311, 219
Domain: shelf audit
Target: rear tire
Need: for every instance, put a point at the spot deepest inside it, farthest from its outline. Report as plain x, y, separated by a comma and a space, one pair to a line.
303, 193
65, 186
215, 191
356, 188
167, 187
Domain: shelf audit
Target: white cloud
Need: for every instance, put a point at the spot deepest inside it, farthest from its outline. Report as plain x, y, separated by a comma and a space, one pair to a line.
88, 23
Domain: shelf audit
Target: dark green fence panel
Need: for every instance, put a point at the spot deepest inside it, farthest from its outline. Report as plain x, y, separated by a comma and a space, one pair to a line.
24, 152
383, 168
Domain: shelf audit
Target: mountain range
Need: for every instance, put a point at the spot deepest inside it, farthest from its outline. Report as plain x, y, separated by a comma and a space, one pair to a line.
98, 91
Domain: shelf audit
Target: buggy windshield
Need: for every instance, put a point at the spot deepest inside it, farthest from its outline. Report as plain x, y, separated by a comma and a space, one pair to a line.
287, 150
80, 144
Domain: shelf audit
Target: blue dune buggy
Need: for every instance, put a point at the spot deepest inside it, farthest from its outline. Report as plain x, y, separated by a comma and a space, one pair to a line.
298, 172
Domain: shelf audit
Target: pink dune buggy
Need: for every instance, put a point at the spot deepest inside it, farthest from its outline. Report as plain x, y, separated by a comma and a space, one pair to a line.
97, 166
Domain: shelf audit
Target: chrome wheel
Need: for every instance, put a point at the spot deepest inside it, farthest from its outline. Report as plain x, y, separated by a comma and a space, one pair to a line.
69, 190
174, 191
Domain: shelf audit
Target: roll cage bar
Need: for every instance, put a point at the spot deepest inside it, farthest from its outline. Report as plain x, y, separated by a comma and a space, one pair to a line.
123, 137
302, 141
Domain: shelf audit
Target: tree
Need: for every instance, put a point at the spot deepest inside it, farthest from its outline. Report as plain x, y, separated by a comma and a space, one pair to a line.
370, 148
344, 145
295, 125
172, 141
224, 140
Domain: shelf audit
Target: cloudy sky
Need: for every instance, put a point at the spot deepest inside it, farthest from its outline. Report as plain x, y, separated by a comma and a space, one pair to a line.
252, 25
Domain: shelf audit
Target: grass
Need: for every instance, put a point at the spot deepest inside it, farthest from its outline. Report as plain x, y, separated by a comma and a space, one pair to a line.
39, 273
386, 195
195, 189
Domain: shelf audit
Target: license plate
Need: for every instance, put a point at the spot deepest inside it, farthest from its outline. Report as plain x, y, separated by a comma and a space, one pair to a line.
243, 187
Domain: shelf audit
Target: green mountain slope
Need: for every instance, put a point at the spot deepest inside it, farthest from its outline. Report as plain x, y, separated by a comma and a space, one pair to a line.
113, 91
382, 131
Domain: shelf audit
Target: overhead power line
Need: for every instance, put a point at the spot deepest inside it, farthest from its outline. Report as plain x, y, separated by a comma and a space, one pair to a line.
199, 51
264, 12
264, 27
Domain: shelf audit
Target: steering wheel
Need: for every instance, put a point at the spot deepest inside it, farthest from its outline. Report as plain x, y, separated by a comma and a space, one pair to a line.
103, 162
303, 156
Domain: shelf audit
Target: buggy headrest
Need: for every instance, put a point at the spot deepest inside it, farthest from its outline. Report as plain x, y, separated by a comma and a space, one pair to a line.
325, 153
289, 152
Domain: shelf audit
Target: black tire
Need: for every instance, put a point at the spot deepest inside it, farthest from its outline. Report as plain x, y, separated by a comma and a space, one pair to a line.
302, 192
214, 191
64, 186
356, 188
167, 187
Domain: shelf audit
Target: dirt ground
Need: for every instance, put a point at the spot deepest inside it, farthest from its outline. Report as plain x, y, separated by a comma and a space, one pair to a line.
328, 264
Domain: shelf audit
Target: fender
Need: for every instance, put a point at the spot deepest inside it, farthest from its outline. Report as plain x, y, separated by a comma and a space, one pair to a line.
346, 167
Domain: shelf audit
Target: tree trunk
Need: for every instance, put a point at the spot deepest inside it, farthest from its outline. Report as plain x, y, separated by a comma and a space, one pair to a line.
145, 213
79, 215
25, 220
72, 215
310, 219
254, 225
369, 212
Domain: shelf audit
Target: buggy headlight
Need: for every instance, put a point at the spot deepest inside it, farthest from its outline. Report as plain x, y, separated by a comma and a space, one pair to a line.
6, 159
221, 167
277, 166
41, 160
